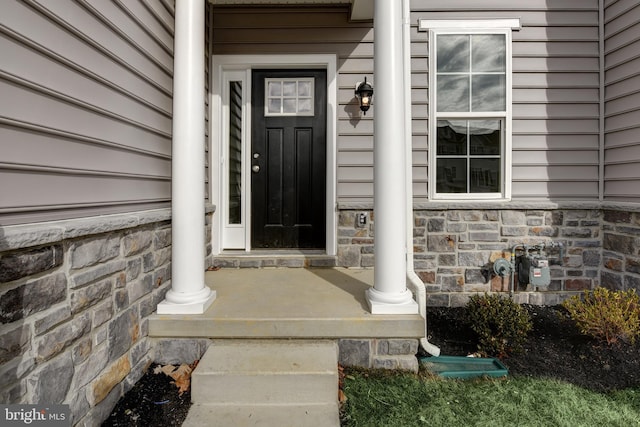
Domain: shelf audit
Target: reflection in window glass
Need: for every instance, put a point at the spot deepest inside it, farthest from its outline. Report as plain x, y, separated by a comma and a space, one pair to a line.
455, 90
489, 93
289, 88
489, 53
484, 175
452, 137
274, 89
468, 156
290, 105
471, 73
304, 89
453, 53
275, 106
484, 137
235, 153
451, 176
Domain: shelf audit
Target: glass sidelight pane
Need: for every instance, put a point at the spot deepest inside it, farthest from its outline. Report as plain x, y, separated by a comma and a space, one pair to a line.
235, 153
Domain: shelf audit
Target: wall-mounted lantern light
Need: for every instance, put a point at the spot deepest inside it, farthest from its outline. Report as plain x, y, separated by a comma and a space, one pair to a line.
364, 93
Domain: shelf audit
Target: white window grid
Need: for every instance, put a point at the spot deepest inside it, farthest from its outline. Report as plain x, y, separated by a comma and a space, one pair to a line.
289, 96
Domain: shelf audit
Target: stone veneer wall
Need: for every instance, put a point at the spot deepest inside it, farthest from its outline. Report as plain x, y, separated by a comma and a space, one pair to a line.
74, 300
621, 250
454, 248
379, 353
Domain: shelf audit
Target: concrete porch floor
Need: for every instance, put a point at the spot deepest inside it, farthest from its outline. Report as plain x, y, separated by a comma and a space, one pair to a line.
288, 303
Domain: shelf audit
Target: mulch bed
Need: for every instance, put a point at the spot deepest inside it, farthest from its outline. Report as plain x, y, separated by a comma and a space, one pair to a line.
554, 349
153, 401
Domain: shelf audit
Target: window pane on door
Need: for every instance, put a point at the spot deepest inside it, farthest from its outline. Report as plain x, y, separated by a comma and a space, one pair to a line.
289, 96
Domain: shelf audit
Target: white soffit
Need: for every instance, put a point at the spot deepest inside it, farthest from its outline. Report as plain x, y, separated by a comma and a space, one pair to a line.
362, 10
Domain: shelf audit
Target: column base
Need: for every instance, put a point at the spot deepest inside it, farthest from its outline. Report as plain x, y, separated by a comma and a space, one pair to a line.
385, 303
199, 306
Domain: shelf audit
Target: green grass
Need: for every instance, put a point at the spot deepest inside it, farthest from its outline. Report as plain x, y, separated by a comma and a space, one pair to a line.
404, 400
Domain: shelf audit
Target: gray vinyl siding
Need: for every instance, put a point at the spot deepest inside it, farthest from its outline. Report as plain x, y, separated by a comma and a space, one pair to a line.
622, 100
555, 86
85, 116
555, 92
320, 30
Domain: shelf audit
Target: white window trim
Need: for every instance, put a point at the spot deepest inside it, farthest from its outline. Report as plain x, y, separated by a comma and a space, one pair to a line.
223, 63
466, 24
471, 26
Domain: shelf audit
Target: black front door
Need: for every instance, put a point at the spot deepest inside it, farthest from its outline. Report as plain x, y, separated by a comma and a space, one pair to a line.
288, 159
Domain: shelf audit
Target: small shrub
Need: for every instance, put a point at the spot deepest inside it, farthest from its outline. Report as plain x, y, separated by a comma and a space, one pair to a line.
501, 324
606, 315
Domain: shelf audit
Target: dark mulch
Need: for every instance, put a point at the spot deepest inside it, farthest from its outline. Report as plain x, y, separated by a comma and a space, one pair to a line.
554, 349
153, 401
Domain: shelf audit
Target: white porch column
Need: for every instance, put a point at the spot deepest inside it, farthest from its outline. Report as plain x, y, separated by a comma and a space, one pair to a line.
188, 293
389, 294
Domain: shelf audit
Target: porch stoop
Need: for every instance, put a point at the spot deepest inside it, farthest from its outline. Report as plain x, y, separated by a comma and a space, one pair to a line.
273, 336
266, 383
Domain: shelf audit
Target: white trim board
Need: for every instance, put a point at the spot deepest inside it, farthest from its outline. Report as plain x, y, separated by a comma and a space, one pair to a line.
469, 24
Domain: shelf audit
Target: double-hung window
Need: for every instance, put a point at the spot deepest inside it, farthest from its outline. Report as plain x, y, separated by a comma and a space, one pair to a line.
470, 109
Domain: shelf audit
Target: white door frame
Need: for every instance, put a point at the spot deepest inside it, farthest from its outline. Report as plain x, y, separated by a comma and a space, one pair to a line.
222, 65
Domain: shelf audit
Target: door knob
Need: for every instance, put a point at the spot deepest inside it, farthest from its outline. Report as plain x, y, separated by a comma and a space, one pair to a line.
255, 168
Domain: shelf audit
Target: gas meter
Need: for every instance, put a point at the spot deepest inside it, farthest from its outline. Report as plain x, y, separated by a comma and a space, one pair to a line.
533, 270
532, 264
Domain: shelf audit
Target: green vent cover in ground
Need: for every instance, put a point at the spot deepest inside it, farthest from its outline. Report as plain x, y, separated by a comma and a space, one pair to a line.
464, 367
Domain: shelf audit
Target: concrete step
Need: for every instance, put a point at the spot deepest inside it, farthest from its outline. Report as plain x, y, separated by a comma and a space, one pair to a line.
308, 415
267, 382
275, 258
